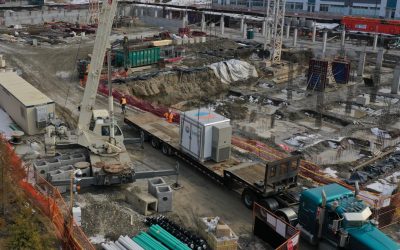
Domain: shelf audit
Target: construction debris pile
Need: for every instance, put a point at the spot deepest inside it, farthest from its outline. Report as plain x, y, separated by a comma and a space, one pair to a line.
46, 34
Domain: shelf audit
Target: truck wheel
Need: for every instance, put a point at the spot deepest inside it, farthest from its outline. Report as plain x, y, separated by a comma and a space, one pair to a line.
270, 204
155, 143
166, 149
248, 198
144, 135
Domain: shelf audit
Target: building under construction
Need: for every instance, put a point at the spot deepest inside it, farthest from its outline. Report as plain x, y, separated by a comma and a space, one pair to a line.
169, 125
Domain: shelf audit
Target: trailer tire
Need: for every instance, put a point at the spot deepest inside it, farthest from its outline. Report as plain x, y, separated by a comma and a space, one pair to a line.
270, 204
166, 149
248, 198
144, 135
155, 143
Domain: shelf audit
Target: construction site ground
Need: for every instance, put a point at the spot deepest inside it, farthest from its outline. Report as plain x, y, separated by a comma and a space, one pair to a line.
105, 213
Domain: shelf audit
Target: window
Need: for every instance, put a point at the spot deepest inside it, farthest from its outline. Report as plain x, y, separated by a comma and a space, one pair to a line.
324, 7
105, 130
298, 6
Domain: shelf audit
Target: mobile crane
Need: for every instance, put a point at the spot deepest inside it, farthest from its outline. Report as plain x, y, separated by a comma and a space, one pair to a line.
96, 131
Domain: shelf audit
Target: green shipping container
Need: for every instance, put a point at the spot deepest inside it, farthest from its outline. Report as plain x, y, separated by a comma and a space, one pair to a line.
137, 58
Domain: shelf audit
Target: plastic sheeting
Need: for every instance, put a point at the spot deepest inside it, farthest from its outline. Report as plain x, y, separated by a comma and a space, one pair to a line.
233, 70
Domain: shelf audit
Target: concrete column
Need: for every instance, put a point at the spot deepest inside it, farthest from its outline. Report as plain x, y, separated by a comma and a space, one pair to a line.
141, 12
136, 12
287, 31
222, 25
396, 80
170, 14
264, 27
325, 38
155, 13
375, 45
361, 64
295, 37
379, 59
203, 22
343, 38
184, 20
314, 32
242, 24
245, 30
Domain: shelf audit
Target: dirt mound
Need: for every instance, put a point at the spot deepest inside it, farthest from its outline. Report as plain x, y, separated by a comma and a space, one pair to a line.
174, 87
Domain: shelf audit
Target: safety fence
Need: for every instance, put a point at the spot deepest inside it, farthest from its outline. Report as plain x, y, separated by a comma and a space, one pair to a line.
138, 103
46, 198
276, 231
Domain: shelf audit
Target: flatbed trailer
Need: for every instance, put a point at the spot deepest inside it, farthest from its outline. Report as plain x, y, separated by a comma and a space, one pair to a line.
255, 181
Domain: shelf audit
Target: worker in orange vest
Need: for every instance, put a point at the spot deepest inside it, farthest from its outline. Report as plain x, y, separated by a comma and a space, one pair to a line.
169, 116
123, 104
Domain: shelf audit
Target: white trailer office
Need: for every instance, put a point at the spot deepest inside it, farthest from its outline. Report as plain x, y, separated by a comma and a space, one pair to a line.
26, 105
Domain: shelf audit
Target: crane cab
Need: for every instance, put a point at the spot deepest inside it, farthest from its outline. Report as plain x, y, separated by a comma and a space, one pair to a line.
100, 124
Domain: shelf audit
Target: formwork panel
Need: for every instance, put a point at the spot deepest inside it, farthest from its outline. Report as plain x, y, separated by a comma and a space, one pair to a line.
317, 78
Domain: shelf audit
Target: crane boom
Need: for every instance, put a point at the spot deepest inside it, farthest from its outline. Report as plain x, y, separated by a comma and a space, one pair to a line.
107, 14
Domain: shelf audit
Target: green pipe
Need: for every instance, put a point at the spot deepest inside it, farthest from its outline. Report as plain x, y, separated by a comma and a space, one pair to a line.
147, 242
166, 238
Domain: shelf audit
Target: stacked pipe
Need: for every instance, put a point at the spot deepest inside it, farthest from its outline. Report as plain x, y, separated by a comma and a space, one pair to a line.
148, 242
191, 240
166, 238
123, 243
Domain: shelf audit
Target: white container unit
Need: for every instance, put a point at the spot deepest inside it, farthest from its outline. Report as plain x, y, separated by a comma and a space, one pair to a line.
196, 133
26, 105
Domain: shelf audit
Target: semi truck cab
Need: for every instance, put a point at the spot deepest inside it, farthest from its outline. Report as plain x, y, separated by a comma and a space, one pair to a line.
335, 214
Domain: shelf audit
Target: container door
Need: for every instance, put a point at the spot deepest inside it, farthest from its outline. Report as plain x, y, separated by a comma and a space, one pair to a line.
185, 135
195, 140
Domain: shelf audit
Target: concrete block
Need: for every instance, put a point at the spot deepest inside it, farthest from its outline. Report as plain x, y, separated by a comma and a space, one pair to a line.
164, 197
185, 41
197, 39
203, 39
41, 167
142, 202
153, 183
65, 160
191, 40
53, 163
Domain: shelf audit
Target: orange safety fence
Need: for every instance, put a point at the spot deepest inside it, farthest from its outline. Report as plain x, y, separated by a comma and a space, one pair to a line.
45, 197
